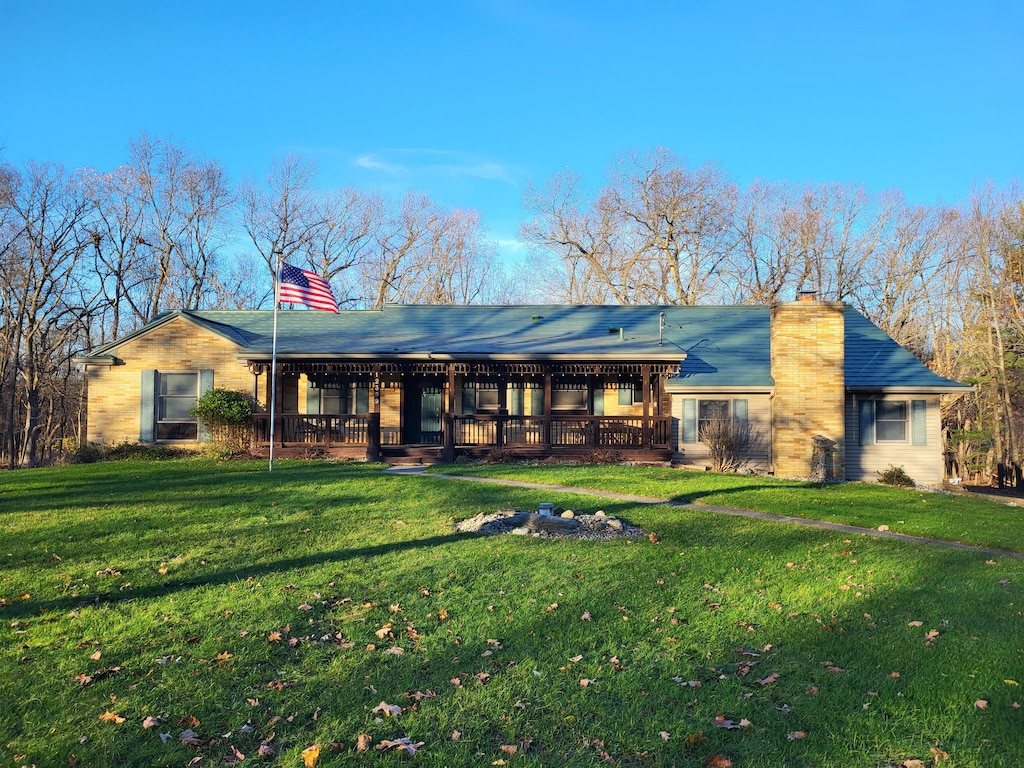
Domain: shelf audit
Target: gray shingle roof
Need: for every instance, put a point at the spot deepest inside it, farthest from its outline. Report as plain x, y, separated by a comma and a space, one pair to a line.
716, 346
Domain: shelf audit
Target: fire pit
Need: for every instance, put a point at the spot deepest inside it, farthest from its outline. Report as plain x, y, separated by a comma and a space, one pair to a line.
547, 523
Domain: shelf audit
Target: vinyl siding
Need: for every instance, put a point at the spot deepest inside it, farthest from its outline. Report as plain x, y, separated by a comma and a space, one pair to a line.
921, 462
759, 416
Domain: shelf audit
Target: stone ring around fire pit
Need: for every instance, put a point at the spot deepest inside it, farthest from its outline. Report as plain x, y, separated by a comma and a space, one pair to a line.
567, 525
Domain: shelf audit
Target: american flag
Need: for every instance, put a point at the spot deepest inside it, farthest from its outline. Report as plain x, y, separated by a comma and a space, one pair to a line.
300, 286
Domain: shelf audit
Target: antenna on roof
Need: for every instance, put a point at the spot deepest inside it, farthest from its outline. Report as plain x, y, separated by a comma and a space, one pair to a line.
661, 329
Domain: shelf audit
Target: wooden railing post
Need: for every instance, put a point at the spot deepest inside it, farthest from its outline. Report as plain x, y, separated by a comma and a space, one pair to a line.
373, 436
448, 434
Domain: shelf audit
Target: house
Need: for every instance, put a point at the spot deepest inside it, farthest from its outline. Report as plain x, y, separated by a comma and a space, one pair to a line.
431, 383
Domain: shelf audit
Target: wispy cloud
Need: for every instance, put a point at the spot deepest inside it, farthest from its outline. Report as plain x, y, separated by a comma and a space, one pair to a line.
373, 162
425, 162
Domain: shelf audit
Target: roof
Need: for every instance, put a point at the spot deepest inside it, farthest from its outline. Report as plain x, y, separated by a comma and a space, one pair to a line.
716, 347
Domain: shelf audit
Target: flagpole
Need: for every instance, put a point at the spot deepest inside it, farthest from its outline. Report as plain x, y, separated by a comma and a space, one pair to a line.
273, 361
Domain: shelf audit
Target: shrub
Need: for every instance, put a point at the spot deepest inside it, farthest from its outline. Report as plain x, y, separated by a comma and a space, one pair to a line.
143, 451
896, 476
729, 442
227, 416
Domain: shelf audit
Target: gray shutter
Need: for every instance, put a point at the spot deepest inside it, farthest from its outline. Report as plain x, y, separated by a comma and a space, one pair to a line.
313, 401
918, 422
689, 420
516, 401
537, 401
866, 412
599, 400
625, 393
205, 385
147, 408
739, 411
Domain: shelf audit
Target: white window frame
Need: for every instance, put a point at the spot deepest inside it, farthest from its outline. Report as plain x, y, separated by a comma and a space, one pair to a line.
161, 398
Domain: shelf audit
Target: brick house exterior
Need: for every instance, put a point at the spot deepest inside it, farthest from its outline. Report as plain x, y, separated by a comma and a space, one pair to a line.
432, 383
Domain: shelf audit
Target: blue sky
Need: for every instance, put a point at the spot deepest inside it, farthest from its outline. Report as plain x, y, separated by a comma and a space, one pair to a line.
470, 101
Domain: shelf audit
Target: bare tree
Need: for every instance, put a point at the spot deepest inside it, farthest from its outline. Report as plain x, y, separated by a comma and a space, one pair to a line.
184, 199
44, 303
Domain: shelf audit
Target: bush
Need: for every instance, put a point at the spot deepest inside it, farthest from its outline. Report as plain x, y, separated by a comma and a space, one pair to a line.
729, 443
224, 407
227, 416
143, 451
896, 476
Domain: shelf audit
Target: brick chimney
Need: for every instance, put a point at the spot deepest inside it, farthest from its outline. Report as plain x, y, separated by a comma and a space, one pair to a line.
807, 358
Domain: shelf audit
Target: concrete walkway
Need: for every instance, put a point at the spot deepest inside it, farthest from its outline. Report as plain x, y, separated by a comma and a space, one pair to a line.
838, 527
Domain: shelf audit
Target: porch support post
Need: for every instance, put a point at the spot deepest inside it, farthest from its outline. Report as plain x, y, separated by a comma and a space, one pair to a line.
646, 429
547, 408
499, 427
448, 419
373, 436
278, 403
373, 418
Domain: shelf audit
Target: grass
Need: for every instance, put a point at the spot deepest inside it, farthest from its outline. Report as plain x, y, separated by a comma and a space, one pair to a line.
257, 610
961, 518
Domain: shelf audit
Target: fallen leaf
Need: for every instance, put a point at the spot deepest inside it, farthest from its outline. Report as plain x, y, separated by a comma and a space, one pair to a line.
111, 717
274, 637
718, 761
189, 737
509, 749
578, 657
915, 624
388, 709
768, 680
723, 722
794, 735
394, 651
980, 704
587, 682
310, 756
456, 735
363, 742
96, 656
404, 743
384, 631
585, 616
151, 722
665, 736
912, 764
939, 755
224, 656
266, 750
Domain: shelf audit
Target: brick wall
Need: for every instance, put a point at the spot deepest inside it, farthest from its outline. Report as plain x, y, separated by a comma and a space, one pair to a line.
178, 345
807, 358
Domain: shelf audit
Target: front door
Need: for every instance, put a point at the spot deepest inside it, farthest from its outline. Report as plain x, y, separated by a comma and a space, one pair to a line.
430, 415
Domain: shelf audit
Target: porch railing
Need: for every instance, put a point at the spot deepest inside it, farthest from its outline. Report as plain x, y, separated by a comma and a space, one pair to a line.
480, 430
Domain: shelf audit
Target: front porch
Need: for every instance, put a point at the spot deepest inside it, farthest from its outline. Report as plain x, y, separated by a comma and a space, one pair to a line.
438, 412
361, 436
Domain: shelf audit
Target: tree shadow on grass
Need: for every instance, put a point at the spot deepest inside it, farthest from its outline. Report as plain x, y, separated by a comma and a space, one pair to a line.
30, 608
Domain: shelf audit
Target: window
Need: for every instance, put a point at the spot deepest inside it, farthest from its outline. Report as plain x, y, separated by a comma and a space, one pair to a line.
711, 410
629, 394
486, 399
165, 401
893, 421
177, 395
697, 413
565, 399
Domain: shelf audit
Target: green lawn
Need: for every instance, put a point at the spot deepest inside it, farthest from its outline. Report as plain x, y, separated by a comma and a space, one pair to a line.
237, 612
